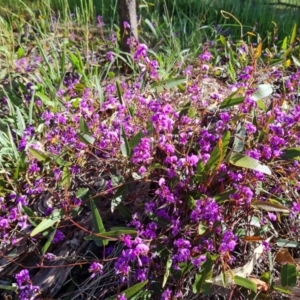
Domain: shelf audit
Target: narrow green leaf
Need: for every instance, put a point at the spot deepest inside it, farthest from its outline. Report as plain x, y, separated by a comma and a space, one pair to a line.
218, 153
125, 147
49, 241
120, 93
151, 27
159, 220
223, 40
167, 84
130, 292
45, 99
293, 34
86, 138
167, 272
284, 43
281, 289
135, 140
39, 155
48, 222
114, 235
232, 102
20, 121
291, 153
205, 273
244, 161
66, 177
98, 224
81, 192
125, 212
83, 126
288, 275
8, 287
287, 243
246, 283
32, 217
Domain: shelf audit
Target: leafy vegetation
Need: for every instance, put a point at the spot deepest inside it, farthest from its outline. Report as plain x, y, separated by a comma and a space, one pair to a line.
171, 172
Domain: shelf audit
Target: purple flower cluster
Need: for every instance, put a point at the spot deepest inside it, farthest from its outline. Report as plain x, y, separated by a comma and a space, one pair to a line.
26, 290
96, 269
135, 259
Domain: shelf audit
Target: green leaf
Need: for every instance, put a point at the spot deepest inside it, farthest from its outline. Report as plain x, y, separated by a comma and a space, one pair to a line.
288, 275
269, 206
83, 126
20, 121
293, 34
81, 192
202, 228
291, 153
284, 43
86, 138
246, 283
223, 40
8, 287
266, 277
220, 198
231, 102
125, 147
262, 91
167, 84
135, 140
32, 216
244, 161
218, 153
199, 285
159, 220
45, 99
130, 292
39, 155
151, 27
121, 192
125, 212
287, 243
48, 222
111, 235
66, 177
120, 93
98, 224
261, 105
99, 90
20, 52
49, 241
167, 272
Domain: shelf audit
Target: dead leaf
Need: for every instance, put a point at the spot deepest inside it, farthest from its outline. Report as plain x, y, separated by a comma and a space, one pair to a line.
244, 271
283, 257
261, 285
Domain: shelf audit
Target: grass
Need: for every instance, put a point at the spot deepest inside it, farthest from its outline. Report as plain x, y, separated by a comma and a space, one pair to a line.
171, 180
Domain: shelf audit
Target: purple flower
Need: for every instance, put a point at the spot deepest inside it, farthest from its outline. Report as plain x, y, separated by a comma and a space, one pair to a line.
141, 52
59, 236
272, 216
100, 22
126, 25
166, 295
206, 56
96, 269
229, 241
27, 291
122, 297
